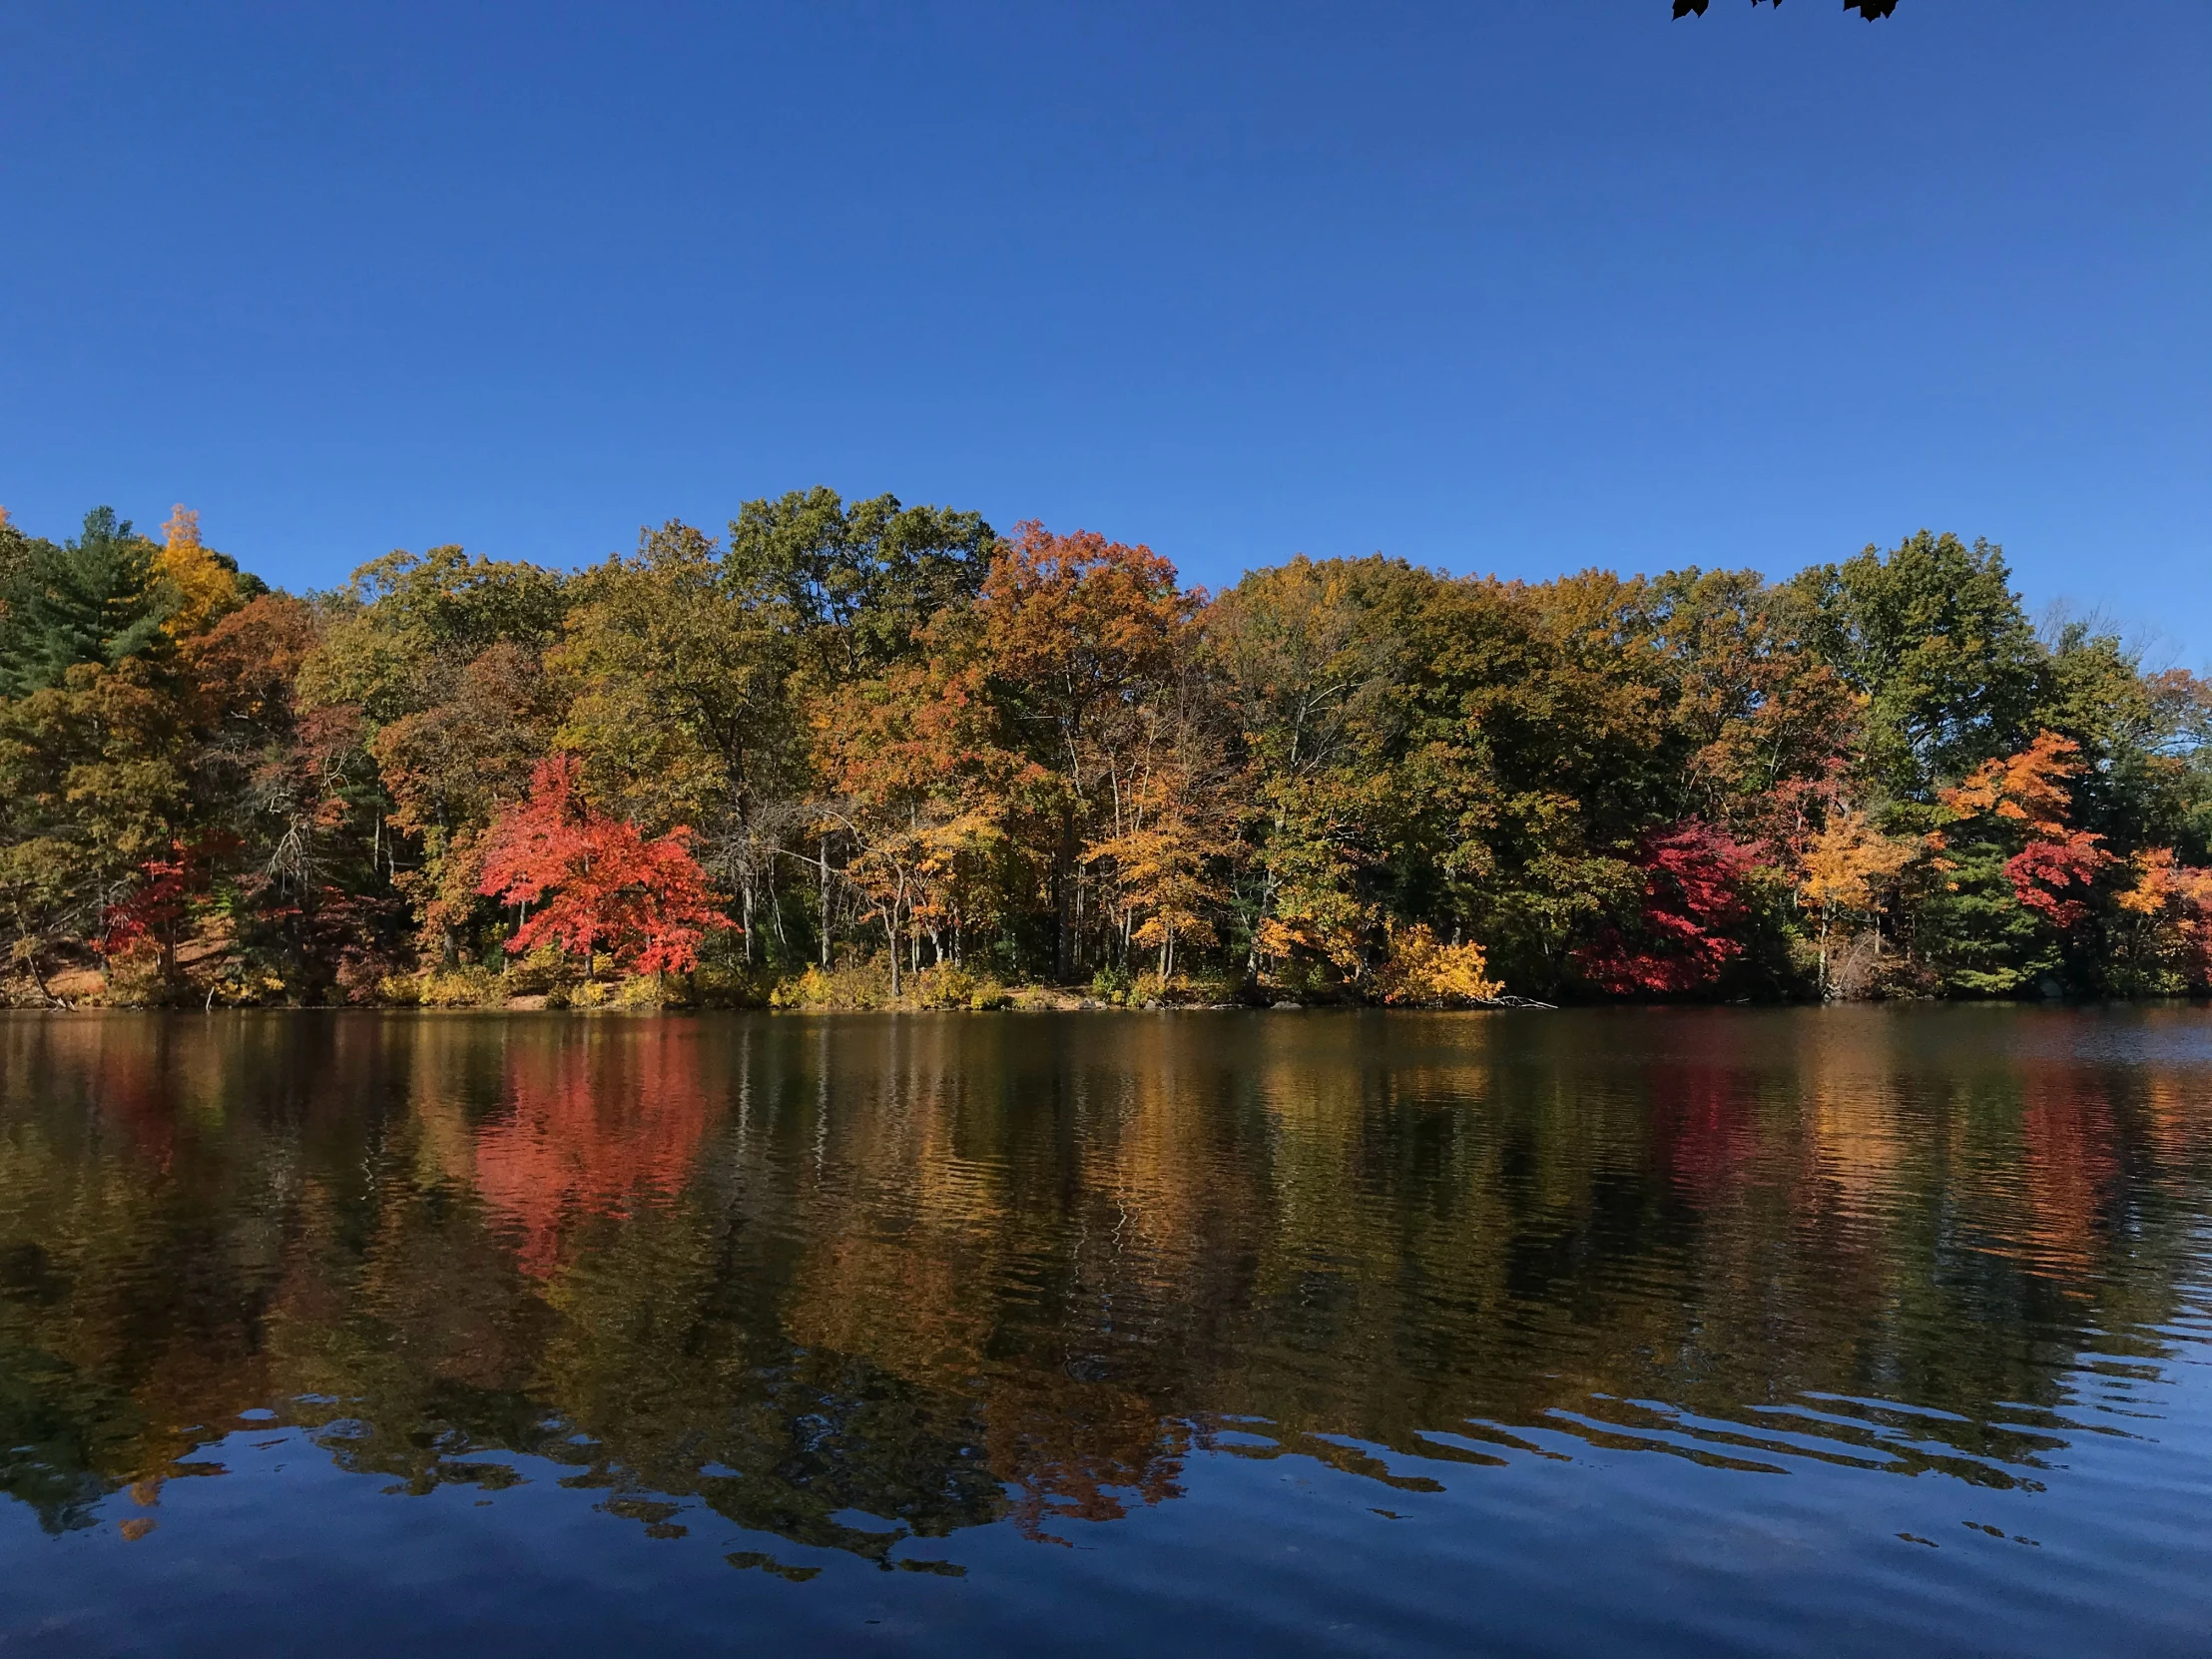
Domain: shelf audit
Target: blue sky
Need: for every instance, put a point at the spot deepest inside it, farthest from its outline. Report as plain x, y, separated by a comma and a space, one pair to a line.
1520, 288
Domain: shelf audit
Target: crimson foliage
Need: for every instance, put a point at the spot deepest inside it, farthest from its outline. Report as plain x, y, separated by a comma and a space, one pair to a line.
1693, 896
598, 882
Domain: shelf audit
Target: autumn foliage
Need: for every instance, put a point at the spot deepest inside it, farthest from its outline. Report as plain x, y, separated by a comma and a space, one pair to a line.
591, 884
871, 752
2055, 871
1683, 934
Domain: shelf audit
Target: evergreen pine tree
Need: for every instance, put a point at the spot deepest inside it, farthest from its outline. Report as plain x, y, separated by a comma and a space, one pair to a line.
97, 599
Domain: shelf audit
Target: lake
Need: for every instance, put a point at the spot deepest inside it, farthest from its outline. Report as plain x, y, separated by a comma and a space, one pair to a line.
1858, 1331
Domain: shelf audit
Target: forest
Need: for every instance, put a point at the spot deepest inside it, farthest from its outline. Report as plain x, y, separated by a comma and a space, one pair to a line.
865, 755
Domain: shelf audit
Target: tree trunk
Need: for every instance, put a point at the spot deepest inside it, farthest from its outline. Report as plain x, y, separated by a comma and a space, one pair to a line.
1063, 905
38, 978
891, 928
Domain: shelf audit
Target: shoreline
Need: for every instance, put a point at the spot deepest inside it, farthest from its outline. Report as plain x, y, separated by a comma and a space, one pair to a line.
529, 1006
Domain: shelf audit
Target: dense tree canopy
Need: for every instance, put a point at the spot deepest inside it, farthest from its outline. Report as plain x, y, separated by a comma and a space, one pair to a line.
857, 751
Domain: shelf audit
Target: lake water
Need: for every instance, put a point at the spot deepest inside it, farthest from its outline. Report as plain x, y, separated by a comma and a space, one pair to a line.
1843, 1332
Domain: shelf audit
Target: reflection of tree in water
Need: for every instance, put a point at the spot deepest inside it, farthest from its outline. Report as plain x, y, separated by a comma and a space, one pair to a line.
860, 1283
588, 1127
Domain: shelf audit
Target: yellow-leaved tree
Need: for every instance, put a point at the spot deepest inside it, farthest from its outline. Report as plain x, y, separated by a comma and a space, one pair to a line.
206, 584
1851, 869
1420, 970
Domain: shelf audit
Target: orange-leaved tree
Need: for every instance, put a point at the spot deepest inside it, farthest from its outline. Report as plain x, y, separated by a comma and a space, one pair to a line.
600, 883
1420, 970
2165, 942
2034, 791
1080, 633
928, 800
205, 583
1160, 863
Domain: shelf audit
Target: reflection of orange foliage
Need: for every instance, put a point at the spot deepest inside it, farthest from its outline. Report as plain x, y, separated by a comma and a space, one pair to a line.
916, 1283
1077, 1451
591, 1122
2175, 1123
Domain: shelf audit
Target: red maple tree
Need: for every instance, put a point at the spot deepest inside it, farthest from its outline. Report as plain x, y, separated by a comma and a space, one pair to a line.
150, 910
147, 917
1693, 894
598, 883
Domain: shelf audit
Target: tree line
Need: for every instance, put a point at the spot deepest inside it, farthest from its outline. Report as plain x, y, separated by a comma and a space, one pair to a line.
864, 753
1870, 10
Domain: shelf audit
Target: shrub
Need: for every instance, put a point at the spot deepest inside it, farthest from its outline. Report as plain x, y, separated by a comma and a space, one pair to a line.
1181, 991
542, 971
730, 987
1424, 972
467, 986
1210, 988
954, 985
401, 990
852, 986
649, 990
135, 979
362, 975
1111, 984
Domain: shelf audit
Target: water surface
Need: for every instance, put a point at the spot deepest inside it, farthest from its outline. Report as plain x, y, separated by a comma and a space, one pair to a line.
1831, 1331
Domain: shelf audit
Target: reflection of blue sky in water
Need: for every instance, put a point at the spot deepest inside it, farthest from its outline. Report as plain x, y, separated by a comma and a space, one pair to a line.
1565, 1548
1596, 1336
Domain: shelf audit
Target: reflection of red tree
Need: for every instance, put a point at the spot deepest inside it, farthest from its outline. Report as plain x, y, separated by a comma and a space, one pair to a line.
2068, 1132
131, 1082
1702, 1129
591, 1125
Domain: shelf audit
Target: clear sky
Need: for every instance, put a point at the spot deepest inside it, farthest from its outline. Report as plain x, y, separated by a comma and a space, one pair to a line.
1516, 286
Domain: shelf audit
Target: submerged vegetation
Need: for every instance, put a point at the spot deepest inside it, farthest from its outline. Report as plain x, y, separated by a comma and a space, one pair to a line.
870, 755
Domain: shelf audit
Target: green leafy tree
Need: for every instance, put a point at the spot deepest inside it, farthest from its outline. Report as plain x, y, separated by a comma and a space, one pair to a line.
1312, 662
436, 660
92, 788
1933, 636
859, 581
678, 705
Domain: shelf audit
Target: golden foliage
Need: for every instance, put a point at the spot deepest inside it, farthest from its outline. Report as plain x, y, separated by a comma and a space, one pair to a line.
205, 586
1423, 972
1848, 865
